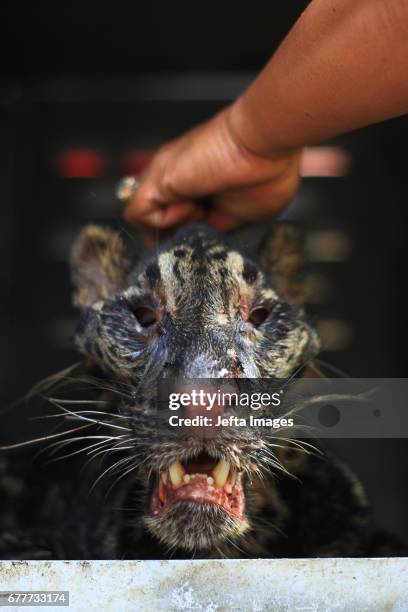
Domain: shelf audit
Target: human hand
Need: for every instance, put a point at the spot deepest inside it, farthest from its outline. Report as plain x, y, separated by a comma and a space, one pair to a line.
211, 162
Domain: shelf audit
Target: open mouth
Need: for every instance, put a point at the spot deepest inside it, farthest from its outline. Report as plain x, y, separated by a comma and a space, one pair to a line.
203, 480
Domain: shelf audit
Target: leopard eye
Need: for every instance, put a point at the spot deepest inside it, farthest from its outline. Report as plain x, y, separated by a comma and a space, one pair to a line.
258, 316
145, 316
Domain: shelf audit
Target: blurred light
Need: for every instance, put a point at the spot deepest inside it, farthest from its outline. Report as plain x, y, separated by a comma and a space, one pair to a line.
335, 334
80, 163
328, 246
133, 162
325, 161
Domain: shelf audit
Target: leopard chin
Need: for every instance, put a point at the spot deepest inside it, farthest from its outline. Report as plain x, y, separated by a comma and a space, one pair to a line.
197, 504
192, 526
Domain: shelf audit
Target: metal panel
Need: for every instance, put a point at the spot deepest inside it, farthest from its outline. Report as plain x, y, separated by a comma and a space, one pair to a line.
214, 585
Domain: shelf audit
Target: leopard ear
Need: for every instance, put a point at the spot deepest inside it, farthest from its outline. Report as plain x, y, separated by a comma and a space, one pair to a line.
282, 258
99, 265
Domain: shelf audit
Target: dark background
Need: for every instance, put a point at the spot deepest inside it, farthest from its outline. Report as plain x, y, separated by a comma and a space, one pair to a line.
85, 89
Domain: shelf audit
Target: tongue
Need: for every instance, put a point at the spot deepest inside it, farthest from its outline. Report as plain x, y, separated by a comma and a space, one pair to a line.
198, 490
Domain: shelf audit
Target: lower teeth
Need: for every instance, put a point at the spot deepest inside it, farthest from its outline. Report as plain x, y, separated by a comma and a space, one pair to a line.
220, 473
188, 477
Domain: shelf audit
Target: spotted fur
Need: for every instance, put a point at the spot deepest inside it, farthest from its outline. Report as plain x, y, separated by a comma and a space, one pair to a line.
196, 308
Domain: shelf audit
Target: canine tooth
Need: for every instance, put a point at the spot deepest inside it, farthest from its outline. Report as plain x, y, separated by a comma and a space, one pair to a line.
176, 472
210, 480
186, 478
220, 472
165, 477
233, 477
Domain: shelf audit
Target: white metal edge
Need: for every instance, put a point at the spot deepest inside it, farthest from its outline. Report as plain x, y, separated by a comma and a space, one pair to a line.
216, 585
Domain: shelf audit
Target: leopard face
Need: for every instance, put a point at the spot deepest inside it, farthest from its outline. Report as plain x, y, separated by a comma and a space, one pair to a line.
196, 308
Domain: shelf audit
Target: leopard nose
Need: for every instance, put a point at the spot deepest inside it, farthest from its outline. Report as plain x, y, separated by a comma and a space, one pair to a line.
204, 401
205, 404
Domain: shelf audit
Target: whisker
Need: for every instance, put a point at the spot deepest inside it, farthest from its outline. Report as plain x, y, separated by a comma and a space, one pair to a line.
77, 452
48, 437
47, 383
123, 475
110, 469
84, 418
80, 439
333, 368
68, 401
115, 447
112, 414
